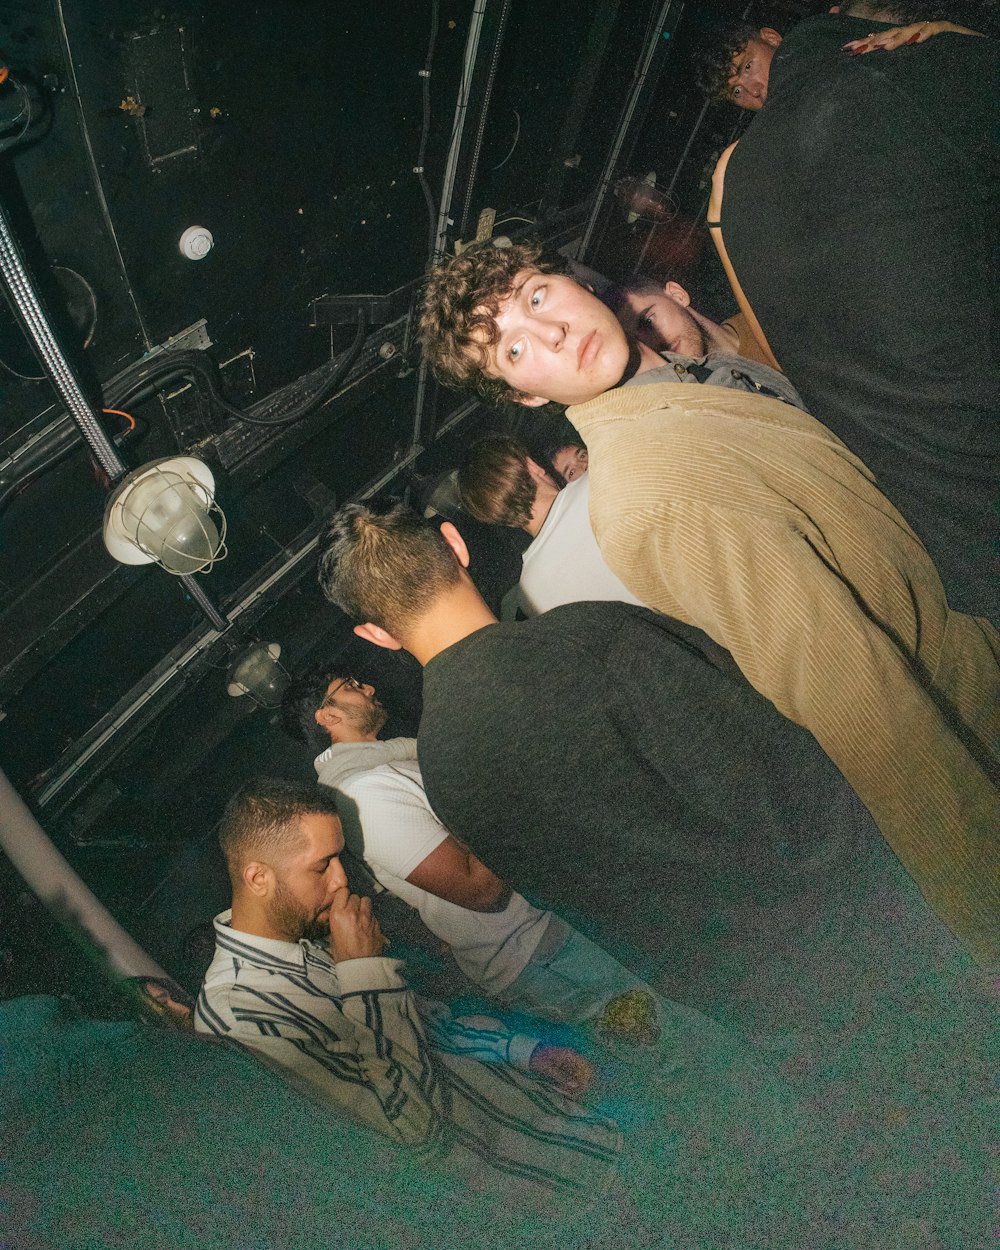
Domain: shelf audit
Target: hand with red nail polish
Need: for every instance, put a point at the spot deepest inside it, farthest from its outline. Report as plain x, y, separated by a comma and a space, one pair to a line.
900, 36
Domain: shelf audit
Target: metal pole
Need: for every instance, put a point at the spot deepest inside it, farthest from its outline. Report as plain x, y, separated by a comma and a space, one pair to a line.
30, 850
631, 104
198, 594
27, 307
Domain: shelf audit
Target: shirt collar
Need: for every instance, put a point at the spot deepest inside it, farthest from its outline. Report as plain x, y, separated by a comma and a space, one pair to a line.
354, 755
274, 949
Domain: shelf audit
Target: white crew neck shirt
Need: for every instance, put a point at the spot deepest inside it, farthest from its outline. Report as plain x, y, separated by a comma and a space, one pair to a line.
564, 563
388, 823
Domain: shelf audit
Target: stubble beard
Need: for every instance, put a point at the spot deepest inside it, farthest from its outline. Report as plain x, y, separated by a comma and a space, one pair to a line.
700, 339
290, 919
368, 719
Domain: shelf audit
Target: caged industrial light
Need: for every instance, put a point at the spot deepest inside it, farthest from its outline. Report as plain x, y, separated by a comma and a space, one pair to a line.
166, 512
255, 671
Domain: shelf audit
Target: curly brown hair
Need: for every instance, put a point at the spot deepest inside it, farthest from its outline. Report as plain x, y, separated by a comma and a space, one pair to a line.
457, 320
494, 482
715, 59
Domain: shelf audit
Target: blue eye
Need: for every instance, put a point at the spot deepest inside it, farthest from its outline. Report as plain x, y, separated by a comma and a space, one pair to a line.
514, 351
537, 295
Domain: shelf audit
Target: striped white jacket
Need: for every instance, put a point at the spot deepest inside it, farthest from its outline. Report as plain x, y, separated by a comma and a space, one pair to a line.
355, 1037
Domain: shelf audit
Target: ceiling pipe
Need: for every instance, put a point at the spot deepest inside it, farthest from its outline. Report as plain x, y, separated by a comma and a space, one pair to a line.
28, 309
50, 877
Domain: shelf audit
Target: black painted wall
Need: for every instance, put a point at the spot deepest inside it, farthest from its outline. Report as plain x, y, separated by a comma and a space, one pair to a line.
291, 131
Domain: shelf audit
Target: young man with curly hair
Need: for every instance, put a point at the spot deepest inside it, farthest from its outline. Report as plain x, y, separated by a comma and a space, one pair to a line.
744, 516
734, 65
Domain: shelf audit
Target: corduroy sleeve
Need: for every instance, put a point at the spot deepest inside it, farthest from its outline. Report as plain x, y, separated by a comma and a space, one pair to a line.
766, 591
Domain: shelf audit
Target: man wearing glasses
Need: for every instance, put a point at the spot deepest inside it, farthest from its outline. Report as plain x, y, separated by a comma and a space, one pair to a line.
509, 948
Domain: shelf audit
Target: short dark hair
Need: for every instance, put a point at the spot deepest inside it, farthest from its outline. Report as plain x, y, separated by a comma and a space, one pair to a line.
554, 449
261, 820
494, 482
616, 293
458, 313
303, 699
384, 564
714, 59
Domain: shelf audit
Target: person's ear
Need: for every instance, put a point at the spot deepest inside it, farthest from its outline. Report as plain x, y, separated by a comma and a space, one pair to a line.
677, 293
380, 637
456, 542
326, 717
768, 35
536, 471
258, 877
530, 401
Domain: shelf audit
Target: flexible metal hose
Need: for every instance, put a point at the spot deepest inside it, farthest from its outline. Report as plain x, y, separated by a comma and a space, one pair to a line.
50, 355
29, 311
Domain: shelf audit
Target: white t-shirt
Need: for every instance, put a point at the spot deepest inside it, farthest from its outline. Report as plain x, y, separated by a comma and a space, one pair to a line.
564, 564
389, 823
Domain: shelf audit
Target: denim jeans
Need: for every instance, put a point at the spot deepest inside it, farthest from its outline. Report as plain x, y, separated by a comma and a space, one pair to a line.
569, 978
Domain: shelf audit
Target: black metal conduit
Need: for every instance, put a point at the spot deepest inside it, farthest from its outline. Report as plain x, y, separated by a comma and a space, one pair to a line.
29, 463
470, 183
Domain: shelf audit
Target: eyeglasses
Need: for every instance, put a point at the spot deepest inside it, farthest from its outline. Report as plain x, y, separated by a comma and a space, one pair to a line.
351, 683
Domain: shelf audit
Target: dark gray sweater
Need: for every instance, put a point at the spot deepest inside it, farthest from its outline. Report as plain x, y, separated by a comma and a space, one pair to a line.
612, 762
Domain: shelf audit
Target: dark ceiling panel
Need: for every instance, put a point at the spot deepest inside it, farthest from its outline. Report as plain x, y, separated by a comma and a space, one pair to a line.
290, 131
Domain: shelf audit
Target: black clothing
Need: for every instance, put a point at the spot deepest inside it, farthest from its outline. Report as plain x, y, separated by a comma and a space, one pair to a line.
600, 745
860, 216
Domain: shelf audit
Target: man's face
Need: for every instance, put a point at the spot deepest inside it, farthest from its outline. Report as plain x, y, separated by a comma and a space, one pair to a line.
751, 69
663, 321
306, 881
355, 703
571, 462
557, 341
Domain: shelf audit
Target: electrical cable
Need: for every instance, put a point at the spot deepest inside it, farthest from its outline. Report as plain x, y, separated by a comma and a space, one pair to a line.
117, 412
73, 90
477, 147
517, 139
13, 140
89, 327
444, 219
418, 169
204, 369
173, 366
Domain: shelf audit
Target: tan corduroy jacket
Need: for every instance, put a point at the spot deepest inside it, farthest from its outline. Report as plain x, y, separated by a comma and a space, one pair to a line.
748, 518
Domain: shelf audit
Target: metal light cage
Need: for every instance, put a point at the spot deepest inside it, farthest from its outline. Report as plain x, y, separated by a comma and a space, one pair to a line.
163, 513
256, 672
